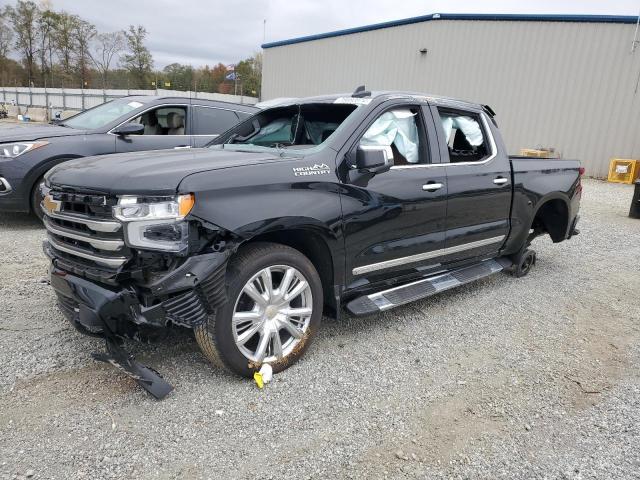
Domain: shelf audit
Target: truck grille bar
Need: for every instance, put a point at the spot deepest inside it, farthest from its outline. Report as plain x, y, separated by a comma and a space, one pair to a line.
112, 262
95, 242
82, 230
95, 225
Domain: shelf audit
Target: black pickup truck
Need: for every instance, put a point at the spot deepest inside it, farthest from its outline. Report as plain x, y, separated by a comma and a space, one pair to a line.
362, 202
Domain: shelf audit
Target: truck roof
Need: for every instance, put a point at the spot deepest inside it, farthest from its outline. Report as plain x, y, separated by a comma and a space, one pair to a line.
382, 95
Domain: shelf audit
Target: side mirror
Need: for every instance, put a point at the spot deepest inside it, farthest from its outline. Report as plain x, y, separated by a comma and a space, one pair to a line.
129, 129
374, 158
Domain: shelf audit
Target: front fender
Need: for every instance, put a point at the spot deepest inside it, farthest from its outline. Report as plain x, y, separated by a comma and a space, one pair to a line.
255, 200
246, 200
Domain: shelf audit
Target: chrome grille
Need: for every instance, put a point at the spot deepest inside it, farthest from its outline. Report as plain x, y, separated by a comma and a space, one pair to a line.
81, 228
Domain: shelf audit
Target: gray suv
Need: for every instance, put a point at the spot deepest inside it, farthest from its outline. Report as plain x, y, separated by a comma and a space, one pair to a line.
128, 124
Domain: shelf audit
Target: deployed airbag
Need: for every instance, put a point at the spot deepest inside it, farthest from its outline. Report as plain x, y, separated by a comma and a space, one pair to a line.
397, 127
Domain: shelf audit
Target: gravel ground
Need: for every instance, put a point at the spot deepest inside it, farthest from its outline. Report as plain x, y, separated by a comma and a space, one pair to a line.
505, 378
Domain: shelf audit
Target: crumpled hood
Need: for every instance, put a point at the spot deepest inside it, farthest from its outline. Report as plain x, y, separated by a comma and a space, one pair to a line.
156, 172
28, 132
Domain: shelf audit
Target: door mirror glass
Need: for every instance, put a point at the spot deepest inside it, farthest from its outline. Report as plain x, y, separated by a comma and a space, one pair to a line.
129, 129
374, 158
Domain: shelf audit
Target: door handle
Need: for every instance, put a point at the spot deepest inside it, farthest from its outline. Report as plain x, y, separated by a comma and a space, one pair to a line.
500, 181
182, 147
432, 187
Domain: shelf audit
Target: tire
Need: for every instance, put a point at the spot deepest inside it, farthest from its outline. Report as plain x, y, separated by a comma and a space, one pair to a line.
524, 264
36, 199
266, 332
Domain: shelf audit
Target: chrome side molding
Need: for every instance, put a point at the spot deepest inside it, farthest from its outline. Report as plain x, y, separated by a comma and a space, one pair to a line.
426, 255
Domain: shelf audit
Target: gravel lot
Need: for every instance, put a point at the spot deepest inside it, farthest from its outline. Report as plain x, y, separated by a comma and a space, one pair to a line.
505, 378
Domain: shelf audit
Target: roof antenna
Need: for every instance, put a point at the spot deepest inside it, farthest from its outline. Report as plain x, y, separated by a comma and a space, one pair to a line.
360, 92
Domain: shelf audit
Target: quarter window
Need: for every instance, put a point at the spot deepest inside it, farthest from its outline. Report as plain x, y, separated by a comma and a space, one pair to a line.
398, 129
464, 135
213, 121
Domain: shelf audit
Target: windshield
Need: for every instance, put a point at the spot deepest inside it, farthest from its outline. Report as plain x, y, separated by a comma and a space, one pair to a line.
294, 126
103, 115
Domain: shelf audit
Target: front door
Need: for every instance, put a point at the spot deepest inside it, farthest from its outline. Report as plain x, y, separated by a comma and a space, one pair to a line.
394, 222
165, 127
479, 181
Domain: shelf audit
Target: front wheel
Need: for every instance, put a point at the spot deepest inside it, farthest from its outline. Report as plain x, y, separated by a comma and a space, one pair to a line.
36, 199
272, 311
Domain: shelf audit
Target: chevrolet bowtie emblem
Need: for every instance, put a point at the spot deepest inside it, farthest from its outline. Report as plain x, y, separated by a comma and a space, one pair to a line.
50, 205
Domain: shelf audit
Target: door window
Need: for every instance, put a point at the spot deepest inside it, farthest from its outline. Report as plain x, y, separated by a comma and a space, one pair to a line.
213, 121
464, 135
164, 121
399, 129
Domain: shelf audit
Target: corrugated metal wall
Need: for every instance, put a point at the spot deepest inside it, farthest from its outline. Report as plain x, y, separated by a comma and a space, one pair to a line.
572, 86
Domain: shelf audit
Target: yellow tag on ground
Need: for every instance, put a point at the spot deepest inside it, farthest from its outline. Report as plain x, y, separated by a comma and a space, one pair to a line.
257, 377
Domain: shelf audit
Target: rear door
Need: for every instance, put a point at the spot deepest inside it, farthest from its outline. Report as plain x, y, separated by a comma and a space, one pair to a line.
479, 184
209, 122
394, 222
166, 126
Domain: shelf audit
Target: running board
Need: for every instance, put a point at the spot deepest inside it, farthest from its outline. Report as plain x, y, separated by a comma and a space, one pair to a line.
393, 297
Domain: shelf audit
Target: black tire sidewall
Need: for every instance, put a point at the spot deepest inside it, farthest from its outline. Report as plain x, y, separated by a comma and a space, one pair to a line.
237, 277
36, 199
524, 269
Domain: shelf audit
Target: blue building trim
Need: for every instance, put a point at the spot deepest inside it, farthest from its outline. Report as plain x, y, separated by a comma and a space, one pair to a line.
460, 16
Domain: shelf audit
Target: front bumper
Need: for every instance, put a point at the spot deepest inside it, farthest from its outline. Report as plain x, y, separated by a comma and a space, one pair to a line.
185, 296
11, 199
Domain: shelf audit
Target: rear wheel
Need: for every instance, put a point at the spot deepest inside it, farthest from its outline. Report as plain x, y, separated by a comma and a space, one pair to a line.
524, 263
272, 311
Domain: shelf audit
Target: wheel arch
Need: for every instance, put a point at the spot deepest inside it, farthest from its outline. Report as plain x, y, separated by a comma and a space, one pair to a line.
312, 245
552, 216
41, 169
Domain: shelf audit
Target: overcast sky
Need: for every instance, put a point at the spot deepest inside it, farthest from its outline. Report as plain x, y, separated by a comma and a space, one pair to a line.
210, 31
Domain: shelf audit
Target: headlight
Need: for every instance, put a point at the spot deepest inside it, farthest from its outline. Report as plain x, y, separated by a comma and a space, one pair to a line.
13, 150
156, 223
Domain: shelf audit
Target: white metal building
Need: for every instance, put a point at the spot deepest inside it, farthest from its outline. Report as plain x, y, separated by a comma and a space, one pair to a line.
568, 82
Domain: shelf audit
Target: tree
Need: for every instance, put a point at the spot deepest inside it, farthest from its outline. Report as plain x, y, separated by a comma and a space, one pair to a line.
138, 61
47, 23
83, 33
217, 76
180, 76
24, 19
249, 74
65, 41
106, 47
6, 37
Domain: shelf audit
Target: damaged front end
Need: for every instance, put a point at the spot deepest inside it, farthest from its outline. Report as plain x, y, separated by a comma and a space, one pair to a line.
132, 268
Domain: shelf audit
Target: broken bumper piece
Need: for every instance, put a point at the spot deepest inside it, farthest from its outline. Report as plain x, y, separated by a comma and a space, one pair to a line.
96, 311
147, 378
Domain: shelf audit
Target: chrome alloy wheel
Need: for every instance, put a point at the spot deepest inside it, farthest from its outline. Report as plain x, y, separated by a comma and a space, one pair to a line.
272, 313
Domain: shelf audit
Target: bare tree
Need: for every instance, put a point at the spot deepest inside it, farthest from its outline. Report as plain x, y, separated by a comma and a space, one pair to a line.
65, 42
24, 19
83, 33
47, 22
6, 37
106, 48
